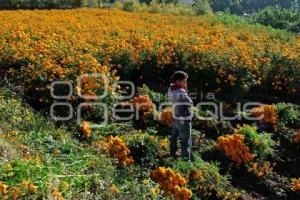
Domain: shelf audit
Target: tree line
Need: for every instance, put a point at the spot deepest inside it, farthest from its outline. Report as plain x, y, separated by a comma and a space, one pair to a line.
249, 6
233, 6
50, 4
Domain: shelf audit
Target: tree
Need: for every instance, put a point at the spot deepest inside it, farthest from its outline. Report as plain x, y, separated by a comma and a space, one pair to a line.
78, 3
202, 7
249, 6
277, 17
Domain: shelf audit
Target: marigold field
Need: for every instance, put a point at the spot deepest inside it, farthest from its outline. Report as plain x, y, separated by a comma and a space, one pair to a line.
42, 158
38, 47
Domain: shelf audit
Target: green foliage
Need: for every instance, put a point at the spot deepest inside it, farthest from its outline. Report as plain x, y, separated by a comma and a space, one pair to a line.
155, 7
230, 20
202, 7
145, 149
49, 151
295, 27
138, 187
261, 144
286, 136
41, 4
113, 129
213, 128
248, 6
279, 18
156, 97
287, 113
131, 5
205, 178
58, 154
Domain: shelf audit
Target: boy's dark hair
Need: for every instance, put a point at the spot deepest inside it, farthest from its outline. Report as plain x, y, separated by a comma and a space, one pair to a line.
178, 76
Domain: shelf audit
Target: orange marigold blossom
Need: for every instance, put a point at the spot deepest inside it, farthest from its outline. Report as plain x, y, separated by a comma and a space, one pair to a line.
165, 117
295, 184
15, 193
266, 113
116, 148
29, 186
3, 188
197, 175
85, 129
171, 182
55, 194
297, 137
183, 194
261, 170
235, 148
32, 188
143, 103
114, 189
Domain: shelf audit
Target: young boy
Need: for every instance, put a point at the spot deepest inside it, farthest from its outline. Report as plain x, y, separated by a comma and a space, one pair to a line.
181, 104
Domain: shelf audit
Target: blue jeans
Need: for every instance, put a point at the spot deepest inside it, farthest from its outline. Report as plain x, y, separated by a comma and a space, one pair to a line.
182, 130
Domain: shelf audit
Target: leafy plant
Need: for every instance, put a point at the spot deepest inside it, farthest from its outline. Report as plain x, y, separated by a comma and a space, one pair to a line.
288, 113
261, 144
206, 180
147, 150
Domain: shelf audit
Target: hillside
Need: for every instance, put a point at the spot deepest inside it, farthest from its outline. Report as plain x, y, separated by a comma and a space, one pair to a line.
55, 63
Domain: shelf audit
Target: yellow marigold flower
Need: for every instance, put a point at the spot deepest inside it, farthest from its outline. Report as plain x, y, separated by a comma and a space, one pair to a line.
155, 191
146, 182
8, 166
33, 188
114, 189
164, 142
25, 184
64, 185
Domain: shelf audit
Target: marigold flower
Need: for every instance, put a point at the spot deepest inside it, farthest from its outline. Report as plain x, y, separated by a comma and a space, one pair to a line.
143, 103
85, 129
116, 148
170, 182
235, 148
33, 188
297, 137
3, 188
295, 184
114, 189
15, 193
56, 194
165, 117
266, 113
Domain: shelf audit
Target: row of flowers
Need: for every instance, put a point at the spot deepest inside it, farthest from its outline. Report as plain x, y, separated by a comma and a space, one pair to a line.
36, 54
26, 189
